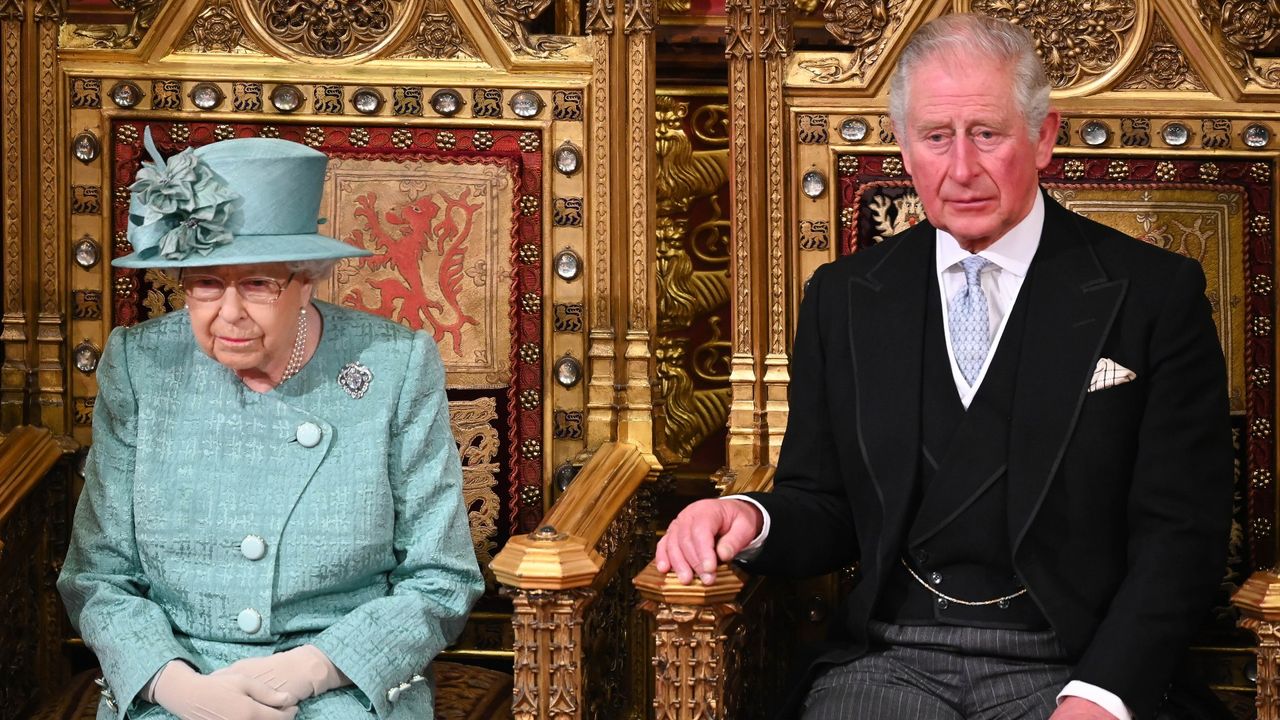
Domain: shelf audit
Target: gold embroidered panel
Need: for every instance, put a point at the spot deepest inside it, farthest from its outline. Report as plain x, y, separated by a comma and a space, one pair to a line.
436, 231
1198, 222
474, 424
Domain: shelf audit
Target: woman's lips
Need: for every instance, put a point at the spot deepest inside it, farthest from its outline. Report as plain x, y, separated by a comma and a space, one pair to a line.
235, 341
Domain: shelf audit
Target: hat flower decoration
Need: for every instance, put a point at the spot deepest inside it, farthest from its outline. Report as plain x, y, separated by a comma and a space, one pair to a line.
233, 202
185, 206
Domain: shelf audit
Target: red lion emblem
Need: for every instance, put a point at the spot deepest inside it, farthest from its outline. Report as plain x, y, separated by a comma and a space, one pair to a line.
433, 223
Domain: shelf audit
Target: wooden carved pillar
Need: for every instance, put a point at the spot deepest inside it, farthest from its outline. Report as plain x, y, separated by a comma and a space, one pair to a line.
636, 422
30, 267
49, 274
602, 339
776, 43
547, 664
691, 643
547, 574
1259, 603
13, 216
759, 40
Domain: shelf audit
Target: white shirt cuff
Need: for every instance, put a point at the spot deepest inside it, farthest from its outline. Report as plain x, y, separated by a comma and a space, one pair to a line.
1108, 701
753, 548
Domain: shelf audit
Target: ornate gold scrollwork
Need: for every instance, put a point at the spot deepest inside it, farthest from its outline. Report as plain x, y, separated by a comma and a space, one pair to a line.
110, 36
600, 15
1164, 67
217, 29
1250, 29
1076, 42
164, 294
691, 414
509, 17
683, 175
863, 26
474, 430
326, 30
685, 294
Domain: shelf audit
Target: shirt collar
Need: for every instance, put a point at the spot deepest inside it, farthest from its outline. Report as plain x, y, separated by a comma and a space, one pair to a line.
1012, 252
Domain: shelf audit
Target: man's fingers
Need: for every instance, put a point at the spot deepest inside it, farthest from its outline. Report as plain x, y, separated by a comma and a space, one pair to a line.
660, 560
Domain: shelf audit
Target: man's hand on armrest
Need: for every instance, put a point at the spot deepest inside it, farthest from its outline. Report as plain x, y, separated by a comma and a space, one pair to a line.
705, 534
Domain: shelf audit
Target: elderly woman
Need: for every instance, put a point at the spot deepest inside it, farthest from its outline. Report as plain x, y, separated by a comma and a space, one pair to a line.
272, 522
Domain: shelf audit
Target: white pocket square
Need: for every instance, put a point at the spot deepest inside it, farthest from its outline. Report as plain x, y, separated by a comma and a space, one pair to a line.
1109, 373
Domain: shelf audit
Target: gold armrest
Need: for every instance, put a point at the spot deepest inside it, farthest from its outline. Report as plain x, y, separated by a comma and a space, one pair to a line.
562, 554
1258, 600
552, 575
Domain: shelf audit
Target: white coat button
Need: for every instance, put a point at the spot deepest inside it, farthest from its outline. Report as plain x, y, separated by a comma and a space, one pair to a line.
393, 694
249, 620
309, 434
253, 547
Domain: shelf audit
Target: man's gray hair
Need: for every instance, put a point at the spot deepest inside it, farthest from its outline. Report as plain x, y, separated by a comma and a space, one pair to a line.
965, 35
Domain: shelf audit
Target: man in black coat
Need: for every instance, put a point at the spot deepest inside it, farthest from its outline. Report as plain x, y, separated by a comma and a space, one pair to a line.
1012, 418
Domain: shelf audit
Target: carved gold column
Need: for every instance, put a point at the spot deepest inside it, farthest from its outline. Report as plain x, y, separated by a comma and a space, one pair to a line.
691, 642
51, 302
1259, 603
776, 41
13, 198
759, 40
601, 341
746, 423
636, 422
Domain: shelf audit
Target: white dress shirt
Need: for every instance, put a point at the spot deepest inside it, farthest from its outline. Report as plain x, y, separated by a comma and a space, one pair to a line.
1001, 282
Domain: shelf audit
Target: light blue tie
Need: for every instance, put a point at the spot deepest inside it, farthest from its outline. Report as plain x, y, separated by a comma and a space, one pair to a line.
970, 338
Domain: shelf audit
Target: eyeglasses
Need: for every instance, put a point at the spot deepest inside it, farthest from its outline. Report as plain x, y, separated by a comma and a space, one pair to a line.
207, 288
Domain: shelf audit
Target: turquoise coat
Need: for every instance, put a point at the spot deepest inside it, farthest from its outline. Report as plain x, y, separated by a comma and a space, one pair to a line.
365, 548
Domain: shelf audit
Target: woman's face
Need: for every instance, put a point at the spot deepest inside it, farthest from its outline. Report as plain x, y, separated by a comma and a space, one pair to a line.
252, 335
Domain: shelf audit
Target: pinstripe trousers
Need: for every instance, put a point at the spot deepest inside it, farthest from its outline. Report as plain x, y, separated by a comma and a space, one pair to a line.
941, 672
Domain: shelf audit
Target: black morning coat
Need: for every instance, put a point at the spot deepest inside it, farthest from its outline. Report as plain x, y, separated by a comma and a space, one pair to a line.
1119, 500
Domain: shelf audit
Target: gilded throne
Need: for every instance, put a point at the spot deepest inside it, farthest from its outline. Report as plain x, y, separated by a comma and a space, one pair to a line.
815, 173
469, 146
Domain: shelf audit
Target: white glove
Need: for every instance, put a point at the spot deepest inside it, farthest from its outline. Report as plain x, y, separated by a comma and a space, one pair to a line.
191, 696
303, 672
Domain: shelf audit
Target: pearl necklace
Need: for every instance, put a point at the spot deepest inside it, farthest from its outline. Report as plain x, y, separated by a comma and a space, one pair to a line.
299, 348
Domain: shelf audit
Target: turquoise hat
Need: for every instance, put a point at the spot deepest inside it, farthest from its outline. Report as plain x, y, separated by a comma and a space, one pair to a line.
235, 202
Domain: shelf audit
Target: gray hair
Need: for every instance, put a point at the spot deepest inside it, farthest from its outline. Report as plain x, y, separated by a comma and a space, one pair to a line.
962, 35
311, 269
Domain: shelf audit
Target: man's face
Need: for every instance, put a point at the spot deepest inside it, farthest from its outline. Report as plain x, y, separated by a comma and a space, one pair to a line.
967, 148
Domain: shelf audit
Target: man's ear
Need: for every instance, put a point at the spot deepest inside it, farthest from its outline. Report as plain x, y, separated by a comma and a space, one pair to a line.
902, 146
1047, 138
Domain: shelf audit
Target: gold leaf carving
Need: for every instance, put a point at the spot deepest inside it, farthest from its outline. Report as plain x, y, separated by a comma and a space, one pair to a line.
1164, 67
1077, 42
639, 16
474, 429
600, 15
692, 414
864, 26
438, 37
217, 29
737, 26
128, 36
327, 29
683, 175
509, 17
